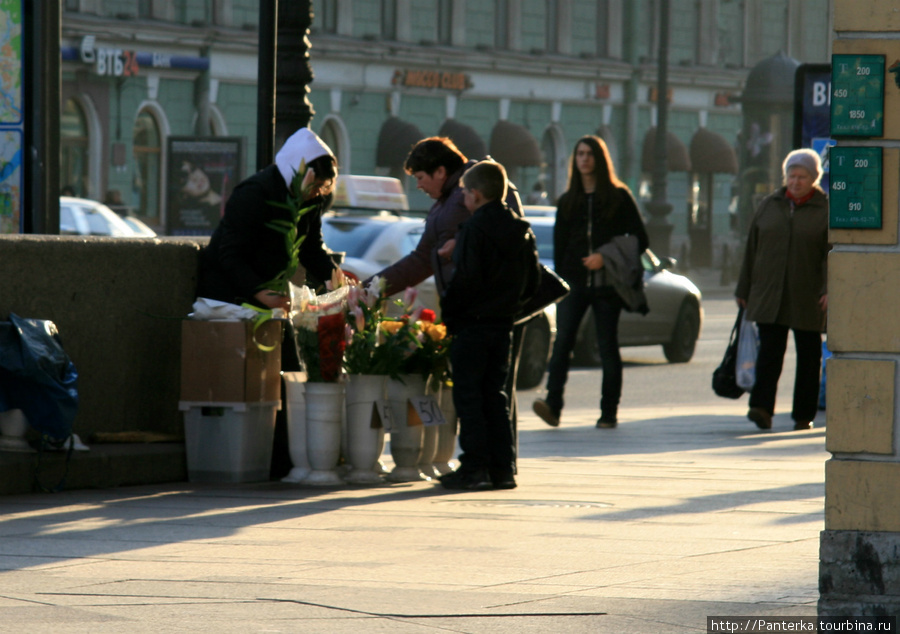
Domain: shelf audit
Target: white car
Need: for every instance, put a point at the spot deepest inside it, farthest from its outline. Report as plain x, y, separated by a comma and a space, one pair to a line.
373, 241
676, 311
83, 217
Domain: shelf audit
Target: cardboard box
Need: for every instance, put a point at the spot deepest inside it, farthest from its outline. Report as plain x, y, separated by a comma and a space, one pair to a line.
222, 363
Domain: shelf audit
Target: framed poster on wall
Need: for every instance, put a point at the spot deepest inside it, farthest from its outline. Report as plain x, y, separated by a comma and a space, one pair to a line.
202, 173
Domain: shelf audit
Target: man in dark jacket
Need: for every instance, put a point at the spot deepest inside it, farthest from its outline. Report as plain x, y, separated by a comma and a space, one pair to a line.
437, 165
496, 271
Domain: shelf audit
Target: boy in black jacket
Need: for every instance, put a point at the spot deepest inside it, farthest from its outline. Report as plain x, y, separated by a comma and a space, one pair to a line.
496, 272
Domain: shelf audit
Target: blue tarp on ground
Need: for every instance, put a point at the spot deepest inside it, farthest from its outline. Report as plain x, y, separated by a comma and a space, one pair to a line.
37, 376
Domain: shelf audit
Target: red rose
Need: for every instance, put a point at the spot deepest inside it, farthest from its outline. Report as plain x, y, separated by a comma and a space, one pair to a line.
428, 315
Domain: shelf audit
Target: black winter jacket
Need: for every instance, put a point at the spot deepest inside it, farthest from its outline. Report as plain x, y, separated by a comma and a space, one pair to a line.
244, 253
575, 237
497, 269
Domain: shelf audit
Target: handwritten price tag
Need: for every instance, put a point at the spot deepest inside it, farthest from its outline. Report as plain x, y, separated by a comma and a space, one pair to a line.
382, 416
424, 410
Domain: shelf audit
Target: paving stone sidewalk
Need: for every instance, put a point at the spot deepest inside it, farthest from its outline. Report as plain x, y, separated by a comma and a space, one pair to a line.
678, 514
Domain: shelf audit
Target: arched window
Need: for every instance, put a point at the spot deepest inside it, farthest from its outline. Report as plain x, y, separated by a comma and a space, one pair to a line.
146, 185
335, 136
73, 151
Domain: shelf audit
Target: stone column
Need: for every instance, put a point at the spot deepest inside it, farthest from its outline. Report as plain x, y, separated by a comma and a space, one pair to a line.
292, 107
859, 568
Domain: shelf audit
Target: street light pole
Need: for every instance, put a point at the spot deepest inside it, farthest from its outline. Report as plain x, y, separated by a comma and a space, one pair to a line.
40, 148
265, 92
294, 70
659, 228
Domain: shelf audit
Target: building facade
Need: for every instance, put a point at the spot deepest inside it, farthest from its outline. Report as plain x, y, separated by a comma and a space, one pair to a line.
519, 79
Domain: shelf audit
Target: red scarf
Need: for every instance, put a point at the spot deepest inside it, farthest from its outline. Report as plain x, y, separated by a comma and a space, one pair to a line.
799, 201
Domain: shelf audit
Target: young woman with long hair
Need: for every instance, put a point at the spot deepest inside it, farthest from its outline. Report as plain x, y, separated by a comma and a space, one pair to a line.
595, 208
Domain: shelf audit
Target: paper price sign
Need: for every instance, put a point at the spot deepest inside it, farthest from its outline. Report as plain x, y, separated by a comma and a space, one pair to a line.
424, 410
855, 201
382, 416
857, 95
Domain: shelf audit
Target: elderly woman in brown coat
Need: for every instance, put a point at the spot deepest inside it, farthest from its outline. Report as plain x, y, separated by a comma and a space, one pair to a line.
783, 286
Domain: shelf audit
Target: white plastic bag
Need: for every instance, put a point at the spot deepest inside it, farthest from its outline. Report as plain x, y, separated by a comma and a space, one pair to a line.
212, 309
748, 347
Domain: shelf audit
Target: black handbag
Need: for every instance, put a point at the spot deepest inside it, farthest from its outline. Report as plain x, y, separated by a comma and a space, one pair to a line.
551, 289
724, 379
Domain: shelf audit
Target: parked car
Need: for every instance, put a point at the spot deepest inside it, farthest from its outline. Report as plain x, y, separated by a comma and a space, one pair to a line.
372, 241
139, 226
676, 310
84, 217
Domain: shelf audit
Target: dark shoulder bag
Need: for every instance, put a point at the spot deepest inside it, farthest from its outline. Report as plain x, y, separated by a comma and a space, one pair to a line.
551, 289
724, 379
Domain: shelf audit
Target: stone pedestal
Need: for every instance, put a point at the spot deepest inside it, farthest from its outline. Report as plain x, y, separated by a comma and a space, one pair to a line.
859, 573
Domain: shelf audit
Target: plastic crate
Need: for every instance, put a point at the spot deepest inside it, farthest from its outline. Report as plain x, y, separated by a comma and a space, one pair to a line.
229, 442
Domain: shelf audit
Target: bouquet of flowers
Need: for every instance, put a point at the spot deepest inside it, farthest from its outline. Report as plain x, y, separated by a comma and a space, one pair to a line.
430, 358
320, 331
375, 344
410, 344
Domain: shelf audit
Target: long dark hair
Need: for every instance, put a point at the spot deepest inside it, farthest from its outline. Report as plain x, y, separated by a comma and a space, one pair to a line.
604, 175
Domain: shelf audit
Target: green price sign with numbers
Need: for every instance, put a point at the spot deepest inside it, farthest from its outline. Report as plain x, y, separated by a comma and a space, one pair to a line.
857, 95
855, 201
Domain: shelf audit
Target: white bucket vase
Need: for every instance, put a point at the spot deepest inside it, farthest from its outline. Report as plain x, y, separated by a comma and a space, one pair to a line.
446, 445
430, 434
324, 411
406, 441
295, 401
364, 444
13, 427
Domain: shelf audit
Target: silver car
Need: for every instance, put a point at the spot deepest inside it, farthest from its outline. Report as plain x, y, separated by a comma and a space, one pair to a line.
371, 242
84, 217
676, 311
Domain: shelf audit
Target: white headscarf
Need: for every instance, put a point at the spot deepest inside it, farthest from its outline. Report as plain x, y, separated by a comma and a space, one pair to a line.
303, 145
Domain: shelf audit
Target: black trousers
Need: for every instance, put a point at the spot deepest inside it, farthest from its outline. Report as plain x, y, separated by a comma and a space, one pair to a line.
770, 360
607, 307
480, 357
518, 337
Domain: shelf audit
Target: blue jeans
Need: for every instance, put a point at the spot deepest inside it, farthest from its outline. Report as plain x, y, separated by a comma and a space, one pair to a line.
607, 307
479, 356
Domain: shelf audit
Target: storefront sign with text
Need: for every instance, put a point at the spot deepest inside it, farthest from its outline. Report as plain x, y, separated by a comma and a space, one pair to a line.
444, 80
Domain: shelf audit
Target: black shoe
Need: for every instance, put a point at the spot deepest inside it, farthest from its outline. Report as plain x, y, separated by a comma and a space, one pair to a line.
503, 479
761, 417
547, 413
466, 480
800, 425
607, 422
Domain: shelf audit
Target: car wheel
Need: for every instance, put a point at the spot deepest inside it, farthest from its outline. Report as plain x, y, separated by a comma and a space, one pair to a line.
535, 351
684, 337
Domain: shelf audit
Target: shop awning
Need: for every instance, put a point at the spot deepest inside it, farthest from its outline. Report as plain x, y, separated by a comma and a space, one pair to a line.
711, 153
465, 138
514, 146
395, 140
678, 158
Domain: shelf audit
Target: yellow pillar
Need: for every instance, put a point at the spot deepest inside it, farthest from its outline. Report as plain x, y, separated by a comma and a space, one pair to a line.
859, 569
